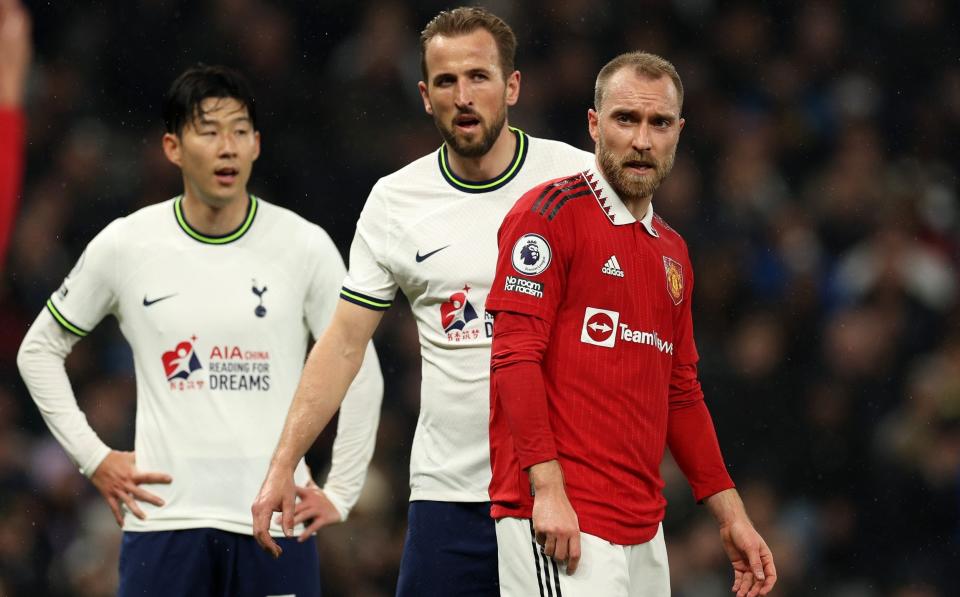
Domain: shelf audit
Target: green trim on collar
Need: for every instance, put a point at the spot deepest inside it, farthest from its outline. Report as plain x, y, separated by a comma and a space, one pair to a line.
519, 155
216, 240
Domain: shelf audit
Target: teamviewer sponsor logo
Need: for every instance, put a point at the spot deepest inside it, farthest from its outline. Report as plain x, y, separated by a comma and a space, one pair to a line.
599, 327
602, 327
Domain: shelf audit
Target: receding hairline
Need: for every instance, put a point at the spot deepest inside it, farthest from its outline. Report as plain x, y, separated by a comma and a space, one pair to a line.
643, 65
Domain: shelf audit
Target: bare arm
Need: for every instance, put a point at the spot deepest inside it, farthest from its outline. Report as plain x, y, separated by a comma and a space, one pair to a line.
330, 368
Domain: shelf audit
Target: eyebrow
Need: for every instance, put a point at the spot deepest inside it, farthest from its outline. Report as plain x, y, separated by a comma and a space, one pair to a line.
204, 121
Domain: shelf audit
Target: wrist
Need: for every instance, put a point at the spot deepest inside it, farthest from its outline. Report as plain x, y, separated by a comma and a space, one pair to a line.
546, 477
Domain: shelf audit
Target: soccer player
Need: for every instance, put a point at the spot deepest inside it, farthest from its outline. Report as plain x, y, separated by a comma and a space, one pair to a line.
430, 229
15, 50
217, 292
594, 366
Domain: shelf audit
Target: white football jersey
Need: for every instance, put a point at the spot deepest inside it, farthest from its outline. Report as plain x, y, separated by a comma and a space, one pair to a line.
434, 236
219, 328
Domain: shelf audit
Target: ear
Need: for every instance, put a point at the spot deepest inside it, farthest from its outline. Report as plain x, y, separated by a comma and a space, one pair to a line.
682, 122
172, 148
256, 141
513, 88
427, 106
593, 123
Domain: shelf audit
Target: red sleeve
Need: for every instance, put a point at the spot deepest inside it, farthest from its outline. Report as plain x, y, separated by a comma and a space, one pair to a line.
690, 432
519, 342
11, 173
535, 250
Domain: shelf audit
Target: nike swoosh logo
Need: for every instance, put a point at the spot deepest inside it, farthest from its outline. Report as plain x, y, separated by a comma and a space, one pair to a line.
147, 303
426, 255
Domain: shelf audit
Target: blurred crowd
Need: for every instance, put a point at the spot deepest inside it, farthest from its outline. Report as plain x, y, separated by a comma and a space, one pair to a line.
816, 184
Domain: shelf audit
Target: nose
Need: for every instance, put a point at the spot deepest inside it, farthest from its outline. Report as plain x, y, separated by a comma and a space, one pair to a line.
641, 138
228, 146
462, 95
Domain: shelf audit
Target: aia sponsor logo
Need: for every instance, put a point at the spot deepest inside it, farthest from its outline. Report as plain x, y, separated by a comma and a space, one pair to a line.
457, 312
602, 328
182, 361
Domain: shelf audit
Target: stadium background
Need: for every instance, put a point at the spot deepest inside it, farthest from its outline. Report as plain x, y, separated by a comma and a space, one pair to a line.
816, 184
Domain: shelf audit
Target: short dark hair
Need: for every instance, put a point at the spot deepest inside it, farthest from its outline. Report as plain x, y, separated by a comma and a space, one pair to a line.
467, 19
644, 64
184, 100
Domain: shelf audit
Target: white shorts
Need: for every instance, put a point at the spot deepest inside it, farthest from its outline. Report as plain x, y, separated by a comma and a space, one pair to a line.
605, 570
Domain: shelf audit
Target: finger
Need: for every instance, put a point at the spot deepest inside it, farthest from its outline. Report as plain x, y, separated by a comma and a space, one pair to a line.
573, 559
268, 544
737, 580
302, 492
746, 584
550, 546
145, 496
756, 566
148, 478
286, 510
277, 519
560, 549
117, 512
769, 569
541, 538
311, 530
133, 506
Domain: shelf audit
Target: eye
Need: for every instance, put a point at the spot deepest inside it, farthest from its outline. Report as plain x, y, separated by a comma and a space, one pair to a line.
623, 118
242, 132
480, 77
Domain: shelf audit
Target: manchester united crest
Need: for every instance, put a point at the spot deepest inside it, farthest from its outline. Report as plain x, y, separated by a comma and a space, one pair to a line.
674, 272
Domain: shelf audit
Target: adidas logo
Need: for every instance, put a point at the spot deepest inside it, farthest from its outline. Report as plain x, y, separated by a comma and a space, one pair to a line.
612, 267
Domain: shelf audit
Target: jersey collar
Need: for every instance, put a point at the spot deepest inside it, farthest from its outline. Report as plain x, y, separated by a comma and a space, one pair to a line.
485, 186
216, 240
611, 204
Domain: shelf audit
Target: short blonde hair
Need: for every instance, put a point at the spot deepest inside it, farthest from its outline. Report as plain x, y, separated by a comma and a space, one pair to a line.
644, 64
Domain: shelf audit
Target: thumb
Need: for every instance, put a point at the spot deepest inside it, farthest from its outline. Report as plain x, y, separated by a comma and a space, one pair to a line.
753, 554
287, 514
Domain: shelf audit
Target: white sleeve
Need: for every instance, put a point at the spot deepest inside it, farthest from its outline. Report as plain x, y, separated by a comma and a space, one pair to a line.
87, 294
370, 282
41, 362
360, 410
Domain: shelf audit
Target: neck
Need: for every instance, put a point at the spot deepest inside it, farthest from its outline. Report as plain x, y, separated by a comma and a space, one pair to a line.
490, 164
638, 206
212, 220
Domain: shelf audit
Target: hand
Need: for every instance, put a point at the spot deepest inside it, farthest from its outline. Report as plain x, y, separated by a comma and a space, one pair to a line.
15, 51
278, 494
118, 480
754, 572
313, 509
555, 524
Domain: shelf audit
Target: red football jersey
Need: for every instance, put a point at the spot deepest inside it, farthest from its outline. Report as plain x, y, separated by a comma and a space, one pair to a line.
616, 294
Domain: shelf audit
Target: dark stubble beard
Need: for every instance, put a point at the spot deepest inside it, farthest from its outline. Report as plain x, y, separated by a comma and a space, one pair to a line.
477, 148
628, 186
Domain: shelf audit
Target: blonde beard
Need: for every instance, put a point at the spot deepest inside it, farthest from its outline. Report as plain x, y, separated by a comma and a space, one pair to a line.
630, 187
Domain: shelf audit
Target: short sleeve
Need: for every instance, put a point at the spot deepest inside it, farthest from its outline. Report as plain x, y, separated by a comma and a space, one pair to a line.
532, 264
325, 280
370, 282
88, 293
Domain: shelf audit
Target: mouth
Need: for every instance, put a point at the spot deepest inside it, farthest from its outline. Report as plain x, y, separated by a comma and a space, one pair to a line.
640, 166
466, 123
227, 175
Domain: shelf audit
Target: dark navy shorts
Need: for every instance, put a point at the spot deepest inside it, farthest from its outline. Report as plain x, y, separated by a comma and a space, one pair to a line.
214, 563
450, 550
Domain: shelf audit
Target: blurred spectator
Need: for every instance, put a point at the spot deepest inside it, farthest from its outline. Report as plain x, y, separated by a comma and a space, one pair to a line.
817, 189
